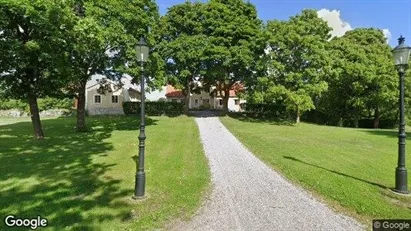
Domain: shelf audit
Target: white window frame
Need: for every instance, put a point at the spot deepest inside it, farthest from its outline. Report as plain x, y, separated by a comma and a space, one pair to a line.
118, 99
237, 100
94, 99
220, 102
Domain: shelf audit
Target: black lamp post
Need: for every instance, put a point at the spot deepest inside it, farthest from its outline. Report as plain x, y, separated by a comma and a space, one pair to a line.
401, 55
142, 57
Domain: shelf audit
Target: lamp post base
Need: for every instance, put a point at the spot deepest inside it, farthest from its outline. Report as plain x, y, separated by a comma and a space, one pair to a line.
401, 182
140, 185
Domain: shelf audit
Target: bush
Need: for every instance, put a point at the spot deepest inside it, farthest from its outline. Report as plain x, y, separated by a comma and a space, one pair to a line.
53, 103
43, 104
13, 104
154, 108
318, 117
266, 110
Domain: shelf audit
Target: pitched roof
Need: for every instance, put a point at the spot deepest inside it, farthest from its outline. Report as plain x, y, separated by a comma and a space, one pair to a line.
172, 92
237, 87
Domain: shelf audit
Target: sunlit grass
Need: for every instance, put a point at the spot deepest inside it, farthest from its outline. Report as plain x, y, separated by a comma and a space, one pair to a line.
84, 181
352, 169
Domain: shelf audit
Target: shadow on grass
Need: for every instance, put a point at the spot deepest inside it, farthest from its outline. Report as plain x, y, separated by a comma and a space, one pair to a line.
258, 119
57, 178
335, 172
386, 133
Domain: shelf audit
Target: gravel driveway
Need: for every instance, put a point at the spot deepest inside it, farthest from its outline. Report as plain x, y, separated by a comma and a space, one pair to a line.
248, 195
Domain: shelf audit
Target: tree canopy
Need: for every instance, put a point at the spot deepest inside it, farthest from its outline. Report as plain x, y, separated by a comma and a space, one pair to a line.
365, 79
182, 45
298, 62
33, 47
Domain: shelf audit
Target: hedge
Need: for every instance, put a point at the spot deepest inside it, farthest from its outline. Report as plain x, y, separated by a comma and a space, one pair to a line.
267, 110
154, 108
43, 104
318, 117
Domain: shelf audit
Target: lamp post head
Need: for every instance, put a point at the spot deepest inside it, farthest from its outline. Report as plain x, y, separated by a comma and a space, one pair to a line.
401, 53
142, 50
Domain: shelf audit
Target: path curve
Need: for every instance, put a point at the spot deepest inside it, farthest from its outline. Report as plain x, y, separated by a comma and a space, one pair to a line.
248, 195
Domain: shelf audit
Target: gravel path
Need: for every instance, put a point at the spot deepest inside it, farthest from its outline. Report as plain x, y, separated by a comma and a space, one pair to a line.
248, 195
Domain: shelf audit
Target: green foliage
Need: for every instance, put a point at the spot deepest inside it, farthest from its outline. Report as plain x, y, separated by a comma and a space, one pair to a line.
271, 110
32, 47
319, 117
43, 104
235, 43
364, 80
297, 63
182, 44
55, 103
154, 108
7, 104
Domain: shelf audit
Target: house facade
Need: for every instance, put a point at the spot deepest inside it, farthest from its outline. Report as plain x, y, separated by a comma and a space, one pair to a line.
205, 100
109, 102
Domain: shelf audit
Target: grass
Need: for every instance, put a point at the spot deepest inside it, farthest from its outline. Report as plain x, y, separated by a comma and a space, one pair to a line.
85, 181
351, 169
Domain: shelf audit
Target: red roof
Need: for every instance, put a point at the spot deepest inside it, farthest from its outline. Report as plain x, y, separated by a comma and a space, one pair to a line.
237, 87
172, 92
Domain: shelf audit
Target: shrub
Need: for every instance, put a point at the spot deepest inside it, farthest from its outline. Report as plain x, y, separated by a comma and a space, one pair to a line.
266, 110
154, 108
318, 117
13, 104
53, 103
43, 104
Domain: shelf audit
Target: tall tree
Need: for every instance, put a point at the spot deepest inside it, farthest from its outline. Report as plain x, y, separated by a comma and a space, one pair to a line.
182, 45
32, 45
103, 41
235, 44
298, 62
365, 79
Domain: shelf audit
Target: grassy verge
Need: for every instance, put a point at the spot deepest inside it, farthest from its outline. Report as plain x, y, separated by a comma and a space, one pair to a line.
85, 181
352, 169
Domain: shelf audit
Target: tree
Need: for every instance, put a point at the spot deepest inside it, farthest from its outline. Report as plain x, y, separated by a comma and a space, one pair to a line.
297, 62
33, 51
103, 41
365, 81
182, 45
236, 43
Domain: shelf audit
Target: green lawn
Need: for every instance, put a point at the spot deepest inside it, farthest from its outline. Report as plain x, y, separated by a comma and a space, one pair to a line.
352, 169
85, 181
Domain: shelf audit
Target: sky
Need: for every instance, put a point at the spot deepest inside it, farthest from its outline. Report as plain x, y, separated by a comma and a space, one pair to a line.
392, 16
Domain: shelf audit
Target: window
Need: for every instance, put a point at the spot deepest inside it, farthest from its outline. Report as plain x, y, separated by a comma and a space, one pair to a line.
196, 101
220, 102
114, 98
206, 101
236, 101
97, 98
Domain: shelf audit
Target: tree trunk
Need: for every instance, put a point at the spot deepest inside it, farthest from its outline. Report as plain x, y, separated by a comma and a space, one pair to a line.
376, 118
187, 98
298, 116
225, 100
35, 117
356, 119
81, 111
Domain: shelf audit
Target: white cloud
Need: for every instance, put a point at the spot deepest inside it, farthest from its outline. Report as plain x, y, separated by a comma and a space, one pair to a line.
387, 34
334, 20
